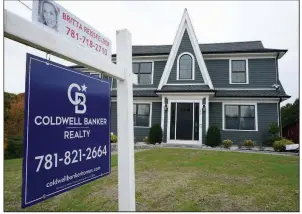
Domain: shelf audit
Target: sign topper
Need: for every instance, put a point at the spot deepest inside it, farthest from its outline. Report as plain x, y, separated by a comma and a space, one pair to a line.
52, 16
67, 130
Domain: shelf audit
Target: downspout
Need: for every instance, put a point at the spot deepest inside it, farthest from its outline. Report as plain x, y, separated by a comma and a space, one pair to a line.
280, 123
280, 99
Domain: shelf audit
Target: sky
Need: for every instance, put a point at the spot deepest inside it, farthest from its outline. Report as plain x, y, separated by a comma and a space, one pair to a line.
275, 23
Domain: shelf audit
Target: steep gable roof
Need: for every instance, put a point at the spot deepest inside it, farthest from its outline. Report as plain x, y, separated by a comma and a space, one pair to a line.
185, 25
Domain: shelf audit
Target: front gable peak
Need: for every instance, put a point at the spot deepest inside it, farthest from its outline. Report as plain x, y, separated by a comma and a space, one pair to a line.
185, 26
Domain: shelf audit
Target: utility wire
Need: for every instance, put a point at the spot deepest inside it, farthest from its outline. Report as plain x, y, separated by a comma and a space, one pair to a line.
24, 4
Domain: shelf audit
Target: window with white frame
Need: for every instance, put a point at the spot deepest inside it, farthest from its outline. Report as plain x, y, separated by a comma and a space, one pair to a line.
238, 72
141, 114
185, 66
143, 71
239, 117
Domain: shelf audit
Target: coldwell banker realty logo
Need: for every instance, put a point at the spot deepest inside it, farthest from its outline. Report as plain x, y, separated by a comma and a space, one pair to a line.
76, 96
77, 101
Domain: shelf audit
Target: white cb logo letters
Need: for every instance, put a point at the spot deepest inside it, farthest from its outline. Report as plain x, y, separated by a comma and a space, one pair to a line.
77, 101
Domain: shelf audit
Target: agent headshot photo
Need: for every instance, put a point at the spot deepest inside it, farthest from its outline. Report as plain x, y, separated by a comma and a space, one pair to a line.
49, 14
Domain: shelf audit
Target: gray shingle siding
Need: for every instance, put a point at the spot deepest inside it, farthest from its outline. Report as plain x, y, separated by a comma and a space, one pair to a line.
267, 113
262, 73
185, 46
139, 133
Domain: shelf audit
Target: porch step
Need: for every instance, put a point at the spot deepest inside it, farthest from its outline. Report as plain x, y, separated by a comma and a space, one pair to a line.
181, 145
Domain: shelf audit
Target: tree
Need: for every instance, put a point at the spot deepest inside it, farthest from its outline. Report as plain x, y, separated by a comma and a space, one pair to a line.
290, 113
8, 98
15, 122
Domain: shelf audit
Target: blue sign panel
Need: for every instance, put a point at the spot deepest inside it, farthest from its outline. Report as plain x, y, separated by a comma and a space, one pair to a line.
67, 130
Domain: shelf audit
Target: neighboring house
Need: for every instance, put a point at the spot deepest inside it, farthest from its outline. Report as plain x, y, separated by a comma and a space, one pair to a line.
291, 132
187, 87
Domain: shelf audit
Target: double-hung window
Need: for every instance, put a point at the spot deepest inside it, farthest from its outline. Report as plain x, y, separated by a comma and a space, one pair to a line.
239, 72
143, 71
240, 117
141, 115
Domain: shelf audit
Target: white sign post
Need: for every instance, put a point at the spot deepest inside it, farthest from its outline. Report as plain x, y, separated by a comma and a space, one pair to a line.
31, 34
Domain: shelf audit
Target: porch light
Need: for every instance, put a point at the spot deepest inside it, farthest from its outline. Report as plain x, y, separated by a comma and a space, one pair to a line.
204, 108
166, 107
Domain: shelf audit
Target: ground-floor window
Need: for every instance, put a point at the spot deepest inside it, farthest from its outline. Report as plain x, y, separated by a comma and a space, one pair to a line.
141, 115
240, 117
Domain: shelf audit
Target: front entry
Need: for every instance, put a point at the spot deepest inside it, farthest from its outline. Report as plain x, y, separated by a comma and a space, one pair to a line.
184, 122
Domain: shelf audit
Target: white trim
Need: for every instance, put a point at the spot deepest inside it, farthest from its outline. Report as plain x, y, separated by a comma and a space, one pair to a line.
162, 120
240, 56
185, 24
185, 84
193, 66
141, 99
139, 89
239, 103
175, 94
187, 142
150, 113
244, 100
246, 71
200, 121
199, 100
207, 113
250, 89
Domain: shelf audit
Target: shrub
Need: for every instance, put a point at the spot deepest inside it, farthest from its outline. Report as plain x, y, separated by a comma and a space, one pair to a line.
146, 139
280, 145
272, 139
155, 134
274, 131
213, 137
14, 148
113, 138
249, 144
227, 144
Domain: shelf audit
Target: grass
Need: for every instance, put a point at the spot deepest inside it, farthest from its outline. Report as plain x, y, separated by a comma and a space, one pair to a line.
180, 180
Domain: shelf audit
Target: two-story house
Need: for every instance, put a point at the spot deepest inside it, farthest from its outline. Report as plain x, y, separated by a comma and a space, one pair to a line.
187, 86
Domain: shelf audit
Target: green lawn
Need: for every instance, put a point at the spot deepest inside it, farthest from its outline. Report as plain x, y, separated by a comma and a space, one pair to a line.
180, 180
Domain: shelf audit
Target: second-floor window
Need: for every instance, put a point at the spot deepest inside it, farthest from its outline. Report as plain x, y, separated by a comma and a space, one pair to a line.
238, 72
185, 66
143, 71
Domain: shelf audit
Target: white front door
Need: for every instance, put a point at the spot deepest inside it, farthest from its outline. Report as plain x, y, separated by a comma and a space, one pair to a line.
184, 123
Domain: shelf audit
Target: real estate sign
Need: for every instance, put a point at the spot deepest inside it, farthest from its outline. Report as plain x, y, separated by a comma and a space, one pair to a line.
67, 130
52, 16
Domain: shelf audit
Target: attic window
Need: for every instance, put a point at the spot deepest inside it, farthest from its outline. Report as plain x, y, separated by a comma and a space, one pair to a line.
185, 66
